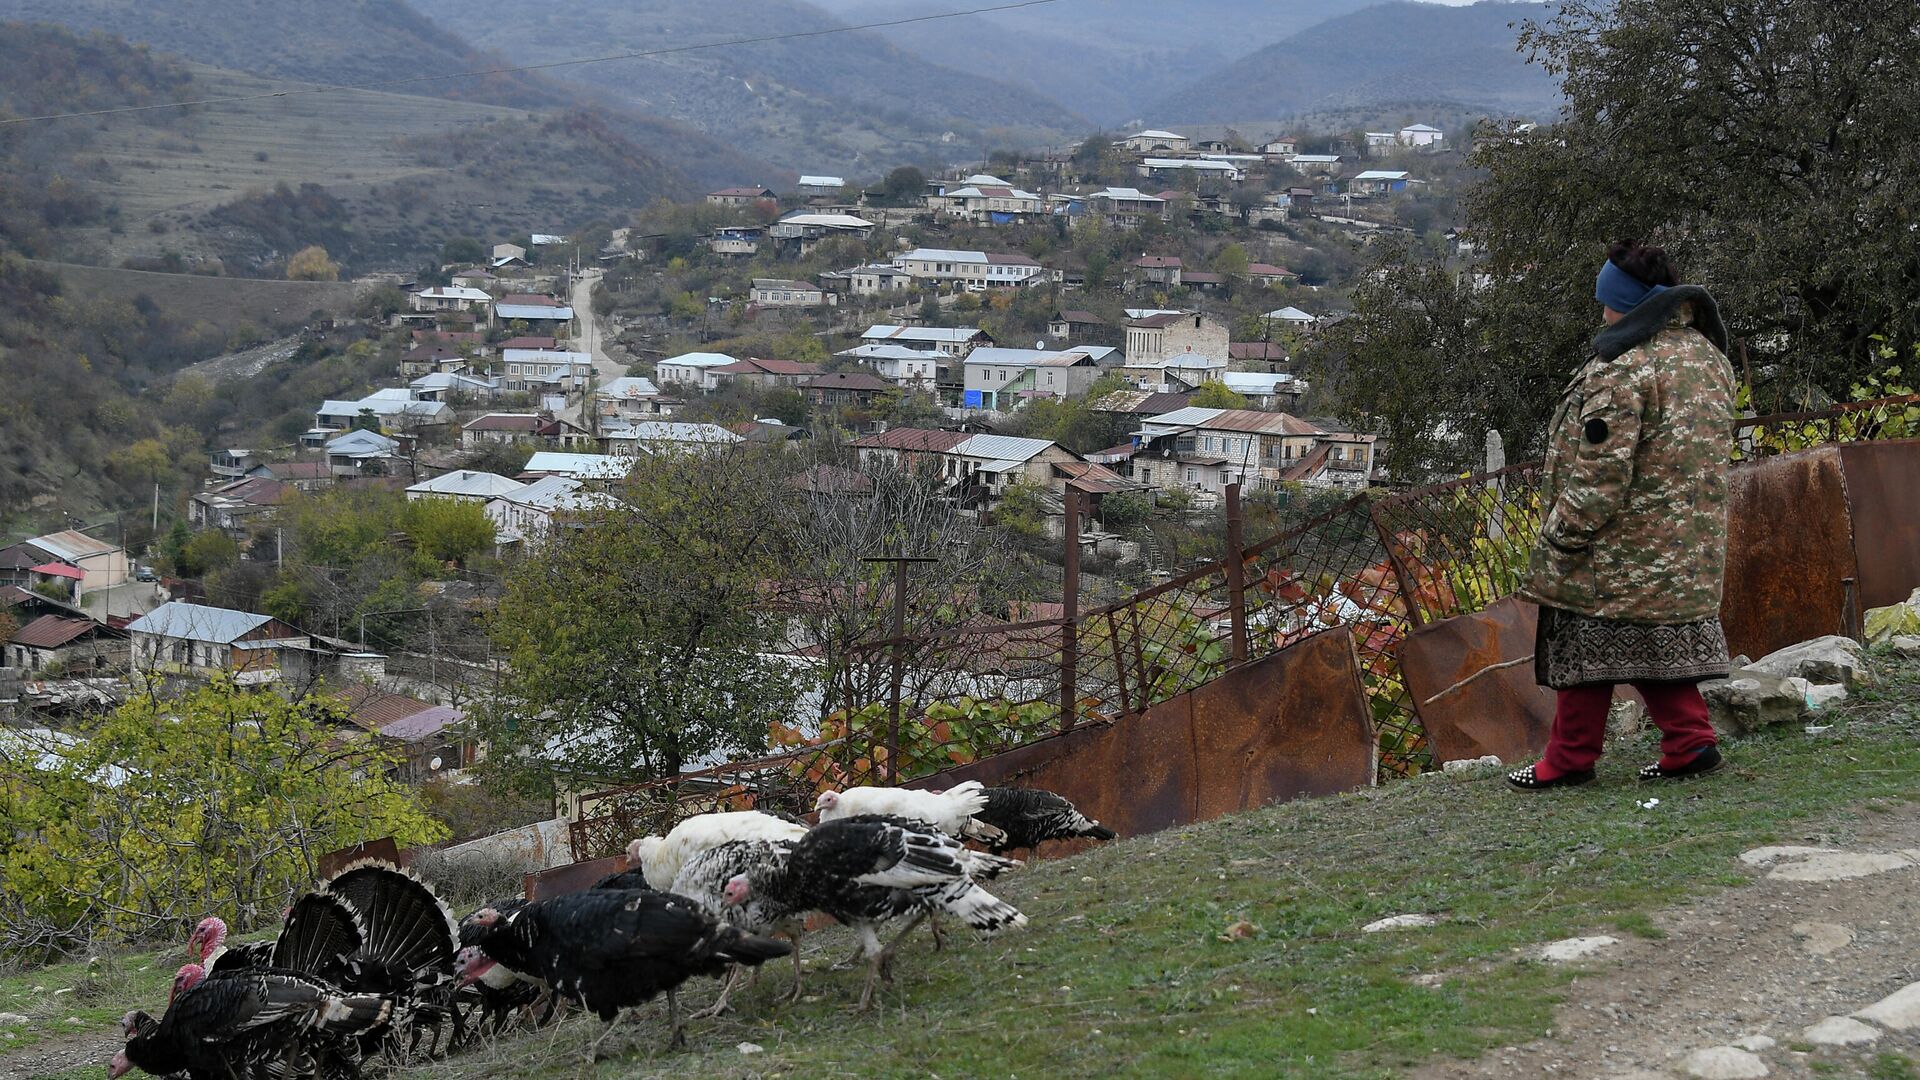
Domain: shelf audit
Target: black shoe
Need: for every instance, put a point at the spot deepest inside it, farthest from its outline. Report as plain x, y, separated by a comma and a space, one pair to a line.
1705, 760
1523, 779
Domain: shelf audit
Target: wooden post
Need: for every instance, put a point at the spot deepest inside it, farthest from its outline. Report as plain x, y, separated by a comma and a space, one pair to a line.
1236, 562
1070, 615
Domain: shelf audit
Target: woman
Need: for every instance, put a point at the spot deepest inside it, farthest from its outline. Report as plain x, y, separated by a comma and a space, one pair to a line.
1628, 565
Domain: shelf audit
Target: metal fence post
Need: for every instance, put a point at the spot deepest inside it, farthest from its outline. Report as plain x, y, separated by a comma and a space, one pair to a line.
1236, 563
1070, 614
898, 670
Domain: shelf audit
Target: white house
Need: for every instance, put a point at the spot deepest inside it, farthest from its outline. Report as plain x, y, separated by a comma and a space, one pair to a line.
952, 340
1380, 140
1421, 136
999, 379
1154, 139
873, 279
974, 269
631, 396
917, 369
465, 486
1165, 168
394, 409
578, 466
528, 368
821, 185
358, 453
691, 369
781, 292
1291, 316
995, 203
1168, 333
529, 512
666, 436
453, 298
1283, 147
182, 638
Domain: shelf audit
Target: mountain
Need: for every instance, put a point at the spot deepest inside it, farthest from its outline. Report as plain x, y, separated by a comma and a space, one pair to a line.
1389, 53
842, 103
362, 41
1125, 54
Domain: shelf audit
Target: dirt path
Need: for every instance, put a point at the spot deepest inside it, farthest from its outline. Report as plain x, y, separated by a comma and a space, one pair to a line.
1757, 965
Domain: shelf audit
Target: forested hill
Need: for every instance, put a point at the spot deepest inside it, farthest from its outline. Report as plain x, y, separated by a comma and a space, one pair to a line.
842, 103
1395, 52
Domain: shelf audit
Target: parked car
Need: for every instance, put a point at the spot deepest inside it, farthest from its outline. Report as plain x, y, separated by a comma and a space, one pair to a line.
145, 573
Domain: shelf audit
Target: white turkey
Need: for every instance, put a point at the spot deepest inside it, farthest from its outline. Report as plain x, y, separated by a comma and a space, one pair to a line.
953, 811
661, 857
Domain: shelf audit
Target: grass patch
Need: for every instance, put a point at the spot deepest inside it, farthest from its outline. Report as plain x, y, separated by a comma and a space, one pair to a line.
1124, 971
97, 991
1893, 1067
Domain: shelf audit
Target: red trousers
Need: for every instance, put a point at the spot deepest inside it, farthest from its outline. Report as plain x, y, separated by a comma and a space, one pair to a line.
1580, 726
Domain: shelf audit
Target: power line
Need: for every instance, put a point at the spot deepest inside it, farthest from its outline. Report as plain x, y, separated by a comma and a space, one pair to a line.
578, 62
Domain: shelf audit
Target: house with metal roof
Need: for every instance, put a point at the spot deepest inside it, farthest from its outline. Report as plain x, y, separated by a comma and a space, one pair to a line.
666, 437
193, 639
992, 202
526, 368
534, 315
1379, 182
1000, 380
65, 646
1207, 449
578, 466
1164, 168
100, 565
532, 511
952, 340
360, 453
394, 409
464, 485
1155, 140
691, 369
235, 508
975, 269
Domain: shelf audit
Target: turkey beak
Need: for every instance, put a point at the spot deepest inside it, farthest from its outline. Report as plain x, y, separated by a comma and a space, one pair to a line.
120, 1066
475, 970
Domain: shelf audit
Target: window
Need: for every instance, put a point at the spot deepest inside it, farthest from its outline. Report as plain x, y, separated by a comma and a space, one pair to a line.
1337, 453
1193, 475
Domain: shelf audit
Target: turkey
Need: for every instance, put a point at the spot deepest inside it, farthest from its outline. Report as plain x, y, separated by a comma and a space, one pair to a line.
1030, 816
952, 811
407, 947
704, 881
499, 989
633, 878
661, 857
207, 947
248, 1023
611, 949
867, 869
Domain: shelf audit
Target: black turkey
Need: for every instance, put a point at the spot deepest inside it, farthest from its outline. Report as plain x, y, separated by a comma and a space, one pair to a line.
1032, 816
250, 1023
611, 949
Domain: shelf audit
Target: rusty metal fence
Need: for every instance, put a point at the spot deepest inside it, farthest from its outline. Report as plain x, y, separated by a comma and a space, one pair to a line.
1382, 565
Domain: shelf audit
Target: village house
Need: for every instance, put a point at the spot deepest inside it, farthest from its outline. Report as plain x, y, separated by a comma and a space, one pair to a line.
70, 556
1126, 207
799, 233
429, 357
1281, 148
1272, 352
1378, 182
783, 292
303, 475
994, 203
542, 314
974, 269
1207, 449
1380, 140
1267, 274
1291, 318
1081, 327
541, 429
178, 638
1154, 140
952, 340
464, 485
770, 431
67, 646
394, 410
454, 298
509, 252
472, 278
425, 735
1315, 164
530, 512
1180, 373
1157, 270
872, 279
845, 390
665, 437
232, 463
1000, 379
741, 196
1265, 390
1421, 136
236, 508
691, 369
1163, 335
361, 453
736, 240
908, 368
763, 374
451, 386
529, 369
632, 397
821, 186
577, 466
1168, 169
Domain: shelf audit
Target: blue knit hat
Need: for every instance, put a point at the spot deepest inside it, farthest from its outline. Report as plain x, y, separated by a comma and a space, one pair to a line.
1620, 290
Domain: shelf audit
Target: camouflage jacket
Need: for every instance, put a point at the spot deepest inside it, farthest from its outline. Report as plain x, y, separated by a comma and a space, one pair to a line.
1635, 491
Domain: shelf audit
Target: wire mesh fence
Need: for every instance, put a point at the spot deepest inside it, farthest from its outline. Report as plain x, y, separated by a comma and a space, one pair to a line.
1380, 564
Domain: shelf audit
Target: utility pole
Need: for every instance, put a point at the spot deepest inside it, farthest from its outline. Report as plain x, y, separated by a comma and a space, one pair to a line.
897, 672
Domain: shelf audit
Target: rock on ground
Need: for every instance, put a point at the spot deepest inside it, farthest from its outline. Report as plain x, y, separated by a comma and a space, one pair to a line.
1841, 866
1723, 1063
1578, 948
1749, 700
1898, 1011
1822, 939
1830, 659
1400, 922
1840, 1031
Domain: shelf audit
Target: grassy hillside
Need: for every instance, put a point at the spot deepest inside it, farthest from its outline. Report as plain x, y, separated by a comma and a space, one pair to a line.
1392, 52
1126, 54
847, 104
1234, 948
225, 303
381, 180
